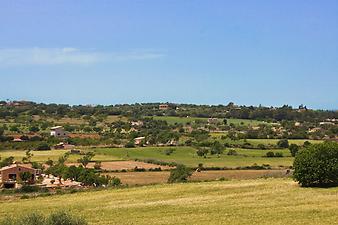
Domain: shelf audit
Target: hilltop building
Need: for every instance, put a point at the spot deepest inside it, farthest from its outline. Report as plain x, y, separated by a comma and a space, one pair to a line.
58, 131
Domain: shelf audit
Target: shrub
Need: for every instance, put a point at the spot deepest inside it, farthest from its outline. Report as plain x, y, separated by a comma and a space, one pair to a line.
43, 146
283, 143
278, 154
317, 165
293, 149
232, 152
57, 218
169, 151
261, 146
180, 174
270, 154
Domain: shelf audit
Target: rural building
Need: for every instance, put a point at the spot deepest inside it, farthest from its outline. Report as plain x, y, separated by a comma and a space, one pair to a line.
163, 106
139, 140
58, 131
11, 174
62, 145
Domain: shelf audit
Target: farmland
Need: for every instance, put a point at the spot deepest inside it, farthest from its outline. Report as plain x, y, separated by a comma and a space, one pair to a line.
187, 156
259, 201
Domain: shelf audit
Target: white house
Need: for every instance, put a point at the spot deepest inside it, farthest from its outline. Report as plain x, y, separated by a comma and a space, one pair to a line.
58, 131
139, 140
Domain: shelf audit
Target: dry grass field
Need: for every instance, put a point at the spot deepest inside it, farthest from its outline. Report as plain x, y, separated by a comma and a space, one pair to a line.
144, 178
259, 201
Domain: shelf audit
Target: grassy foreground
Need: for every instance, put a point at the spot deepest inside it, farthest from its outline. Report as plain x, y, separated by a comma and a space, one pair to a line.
261, 201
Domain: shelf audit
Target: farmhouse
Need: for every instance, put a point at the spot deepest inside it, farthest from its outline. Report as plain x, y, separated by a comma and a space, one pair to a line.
11, 174
138, 140
58, 131
163, 107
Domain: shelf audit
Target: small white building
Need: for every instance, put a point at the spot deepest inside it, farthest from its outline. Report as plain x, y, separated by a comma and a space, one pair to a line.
139, 140
58, 131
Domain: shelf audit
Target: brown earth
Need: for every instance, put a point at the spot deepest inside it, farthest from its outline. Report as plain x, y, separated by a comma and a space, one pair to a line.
143, 178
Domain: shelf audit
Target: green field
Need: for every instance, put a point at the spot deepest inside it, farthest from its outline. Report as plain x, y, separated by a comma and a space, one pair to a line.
260, 201
43, 156
183, 155
187, 156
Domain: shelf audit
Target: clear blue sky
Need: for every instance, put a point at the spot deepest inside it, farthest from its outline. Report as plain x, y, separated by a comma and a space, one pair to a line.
207, 52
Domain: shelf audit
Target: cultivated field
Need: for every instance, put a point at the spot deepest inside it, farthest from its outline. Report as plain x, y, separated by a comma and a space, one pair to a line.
187, 156
144, 178
260, 201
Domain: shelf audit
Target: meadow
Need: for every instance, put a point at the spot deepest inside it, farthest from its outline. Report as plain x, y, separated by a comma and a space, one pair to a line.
188, 156
259, 201
182, 155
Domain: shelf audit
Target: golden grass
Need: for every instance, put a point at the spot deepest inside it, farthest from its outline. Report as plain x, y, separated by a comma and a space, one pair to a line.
261, 201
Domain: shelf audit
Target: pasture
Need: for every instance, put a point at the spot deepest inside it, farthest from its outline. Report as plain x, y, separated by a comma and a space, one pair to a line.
188, 156
259, 201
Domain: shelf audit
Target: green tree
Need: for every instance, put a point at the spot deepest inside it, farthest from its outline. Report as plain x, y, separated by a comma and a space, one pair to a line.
180, 174
86, 159
293, 149
283, 143
217, 148
202, 152
317, 165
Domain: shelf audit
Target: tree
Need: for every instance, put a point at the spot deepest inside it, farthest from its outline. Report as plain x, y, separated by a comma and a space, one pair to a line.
43, 146
293, 149
180, 174
25, 176
317, 165
216, 148
34, 129
27, 158
86, 159
202, 152
270, 154
283, 143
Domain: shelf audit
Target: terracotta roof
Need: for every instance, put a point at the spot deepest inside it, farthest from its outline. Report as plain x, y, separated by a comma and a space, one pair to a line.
16, 165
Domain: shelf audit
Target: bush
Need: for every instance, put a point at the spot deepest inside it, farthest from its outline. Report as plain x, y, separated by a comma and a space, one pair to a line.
43, 146
270, 154
284, 143
317, 165
278, 154
232, 152
293, 149
180, 174
57, 218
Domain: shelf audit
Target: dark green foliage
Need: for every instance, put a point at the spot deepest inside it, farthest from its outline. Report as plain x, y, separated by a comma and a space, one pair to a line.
7, 161
202, 152
180, 174
232, 152
270, 154
284, 143
216, 148
317, 165
86, 158
43, 146
278, 154
169, 151
293, 149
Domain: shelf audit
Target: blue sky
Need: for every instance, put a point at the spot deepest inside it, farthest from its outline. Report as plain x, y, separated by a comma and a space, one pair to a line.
204, 52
